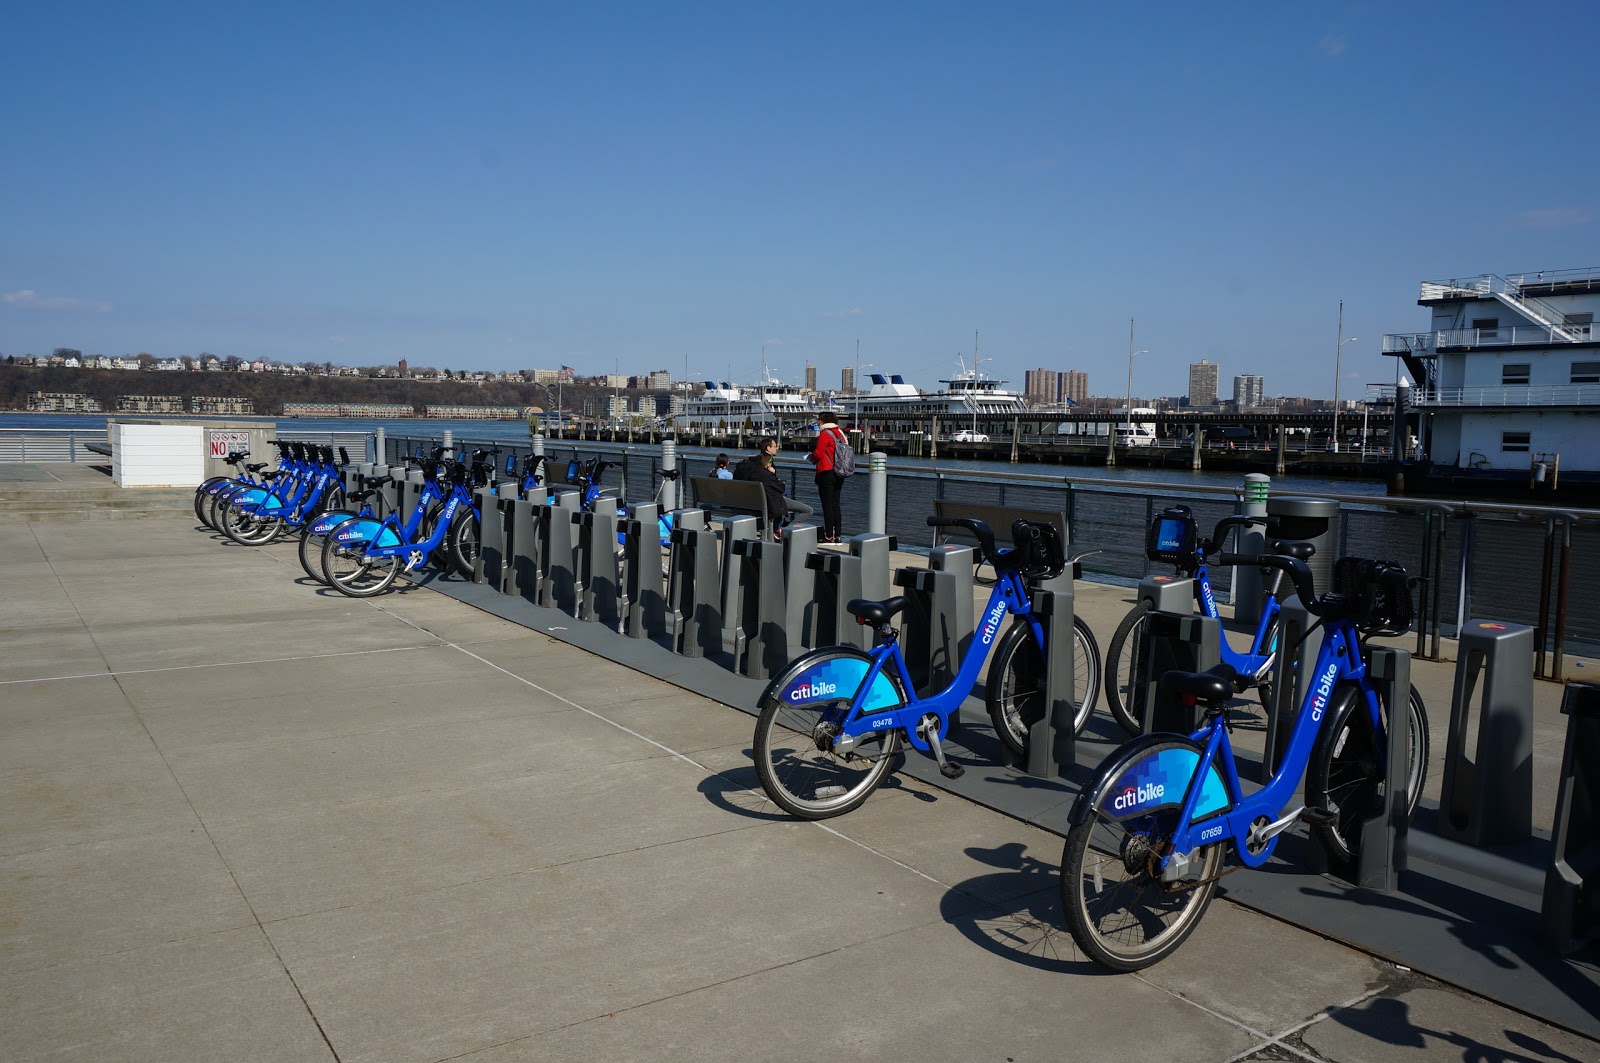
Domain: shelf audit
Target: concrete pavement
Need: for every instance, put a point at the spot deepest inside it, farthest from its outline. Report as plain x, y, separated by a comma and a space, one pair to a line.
243, 818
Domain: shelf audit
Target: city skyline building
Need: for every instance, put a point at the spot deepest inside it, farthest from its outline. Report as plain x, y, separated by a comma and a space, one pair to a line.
1247, 390
1074, 387
1041, 386
1203, 383
847, 379
811, 377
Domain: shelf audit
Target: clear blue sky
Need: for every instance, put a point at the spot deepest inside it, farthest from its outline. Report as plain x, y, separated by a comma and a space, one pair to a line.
498, 186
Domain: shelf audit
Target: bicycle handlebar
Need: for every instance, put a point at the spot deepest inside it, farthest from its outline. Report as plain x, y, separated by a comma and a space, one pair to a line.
1298, 571
1219, 534
980, 531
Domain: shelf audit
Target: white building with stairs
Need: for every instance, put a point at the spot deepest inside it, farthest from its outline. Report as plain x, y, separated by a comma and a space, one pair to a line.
1507, 377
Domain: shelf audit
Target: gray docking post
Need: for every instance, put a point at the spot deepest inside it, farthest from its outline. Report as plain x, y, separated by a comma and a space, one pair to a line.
1170, 596
491, 538
694, 595
837, 581
527, 522
873, 548
1382, 855
730, 531
410, 490
645, 595
600, 577
558, 556
799, 586
1052, 739
1488, 800
760, 645
1181, 642
1570, 914
936, 630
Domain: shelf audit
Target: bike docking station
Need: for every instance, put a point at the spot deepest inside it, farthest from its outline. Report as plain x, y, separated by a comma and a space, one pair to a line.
761, 642
936, 628
1178, 640
841, 578
1052, 739
694, 590
1570, 911
1487, 799
644, 595
600, 595
558, 555
523, 536
732, 531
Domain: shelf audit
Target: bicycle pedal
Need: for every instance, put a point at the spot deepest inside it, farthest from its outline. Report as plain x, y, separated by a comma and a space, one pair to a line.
1317, 816
951, 771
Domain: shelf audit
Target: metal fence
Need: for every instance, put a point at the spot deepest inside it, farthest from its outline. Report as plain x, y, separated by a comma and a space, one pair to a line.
1528, 565
51, 444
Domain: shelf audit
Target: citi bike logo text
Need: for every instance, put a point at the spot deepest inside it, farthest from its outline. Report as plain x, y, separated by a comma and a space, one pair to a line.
1138, 795
817, 688
1211, 599
1324, 688
346, 536
992, 622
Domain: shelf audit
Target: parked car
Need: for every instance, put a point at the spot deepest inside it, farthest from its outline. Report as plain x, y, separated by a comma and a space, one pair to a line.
965, 436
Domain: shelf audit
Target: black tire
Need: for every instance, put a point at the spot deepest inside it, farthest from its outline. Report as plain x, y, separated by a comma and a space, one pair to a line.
219, 504
1120, 914
248, 528
311, 549
1014, 693
1124, 661
202, 500
1346, 774
332, 499
461, 543
349, 572
798, 772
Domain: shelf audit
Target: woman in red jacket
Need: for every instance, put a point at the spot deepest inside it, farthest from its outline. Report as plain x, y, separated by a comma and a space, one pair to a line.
828, 482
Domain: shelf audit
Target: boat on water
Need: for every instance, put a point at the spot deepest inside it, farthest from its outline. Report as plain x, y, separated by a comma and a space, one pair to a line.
764, 407
969, 392
1507, 388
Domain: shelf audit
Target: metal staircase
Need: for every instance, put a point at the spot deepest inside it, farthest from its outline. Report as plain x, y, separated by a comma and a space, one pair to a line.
1538, 311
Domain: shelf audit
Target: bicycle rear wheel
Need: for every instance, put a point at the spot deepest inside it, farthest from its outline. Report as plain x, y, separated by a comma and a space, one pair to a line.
797, 732
1121, 913
461, 543
350, 571
1124, 663
1014, 694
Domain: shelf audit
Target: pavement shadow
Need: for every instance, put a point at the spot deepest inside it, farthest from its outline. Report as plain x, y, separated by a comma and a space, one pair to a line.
1387, 1020
738, 790
1015, 912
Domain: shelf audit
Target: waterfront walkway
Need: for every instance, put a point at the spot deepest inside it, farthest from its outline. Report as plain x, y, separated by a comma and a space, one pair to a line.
245, 819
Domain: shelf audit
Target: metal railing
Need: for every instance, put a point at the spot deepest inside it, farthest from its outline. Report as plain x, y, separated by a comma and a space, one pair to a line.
1503, 336
1510, 395
51, 444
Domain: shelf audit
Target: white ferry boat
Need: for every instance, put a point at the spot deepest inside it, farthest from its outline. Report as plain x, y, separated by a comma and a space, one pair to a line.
967, 393
762, 408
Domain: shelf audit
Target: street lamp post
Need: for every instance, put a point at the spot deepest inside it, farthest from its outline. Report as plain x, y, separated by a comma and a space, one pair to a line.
855, 382
1128, 408
1338, 355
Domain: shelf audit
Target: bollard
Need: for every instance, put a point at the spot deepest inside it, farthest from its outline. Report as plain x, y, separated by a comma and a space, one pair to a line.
527, 536
1488, 800
1309, 520
536, 444
878, 492
799, 586
1250, 540
1181, 642
449, 444
732, 530
837, 582
645, 595
1570, 914
380, 447
760, 646
1288, 690
1383, 833
600, 575
558, 575
669, 463
936, 629
1052, 740
694, 592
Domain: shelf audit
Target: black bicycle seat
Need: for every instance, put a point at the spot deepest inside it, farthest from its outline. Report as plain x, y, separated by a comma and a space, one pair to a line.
1297, 550
1208, 688
876, 613
257, 467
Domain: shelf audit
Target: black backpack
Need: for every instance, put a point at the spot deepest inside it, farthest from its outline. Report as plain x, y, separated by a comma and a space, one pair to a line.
747, 469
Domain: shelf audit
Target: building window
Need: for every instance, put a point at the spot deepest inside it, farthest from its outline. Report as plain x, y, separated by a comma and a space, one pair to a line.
1515, 442
1488, 328
1586, 372
1515, 372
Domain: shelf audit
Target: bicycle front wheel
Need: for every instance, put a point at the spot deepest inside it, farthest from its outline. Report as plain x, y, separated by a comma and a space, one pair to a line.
349, 570
800, 758
1125, 667
1121, 912
462, 544
1015, 695
1346, 773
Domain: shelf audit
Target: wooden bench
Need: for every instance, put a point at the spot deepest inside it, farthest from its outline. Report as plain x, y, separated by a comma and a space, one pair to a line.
999, 519
740, 498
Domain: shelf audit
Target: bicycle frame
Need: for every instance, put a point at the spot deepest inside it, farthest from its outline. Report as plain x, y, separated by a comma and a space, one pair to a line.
1213, 806
1258, 656
867, 714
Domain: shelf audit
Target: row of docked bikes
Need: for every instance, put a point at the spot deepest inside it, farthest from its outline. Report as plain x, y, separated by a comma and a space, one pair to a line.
1154, 826
354, 542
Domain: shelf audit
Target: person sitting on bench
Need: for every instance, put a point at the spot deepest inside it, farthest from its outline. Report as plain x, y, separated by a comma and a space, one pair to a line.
758, 467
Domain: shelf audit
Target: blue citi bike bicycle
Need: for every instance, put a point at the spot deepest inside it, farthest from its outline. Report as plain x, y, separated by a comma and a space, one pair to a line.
1150, 832
831, 723
364, 556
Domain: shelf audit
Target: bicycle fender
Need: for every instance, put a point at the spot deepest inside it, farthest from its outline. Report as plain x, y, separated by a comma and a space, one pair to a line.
363, 532
249, 496
326, 522
1138, 781
825, 675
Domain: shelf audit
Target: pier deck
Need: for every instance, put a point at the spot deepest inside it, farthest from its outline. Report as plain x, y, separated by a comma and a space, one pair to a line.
248, 819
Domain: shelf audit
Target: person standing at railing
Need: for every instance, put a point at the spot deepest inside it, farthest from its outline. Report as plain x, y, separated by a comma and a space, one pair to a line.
829, 482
